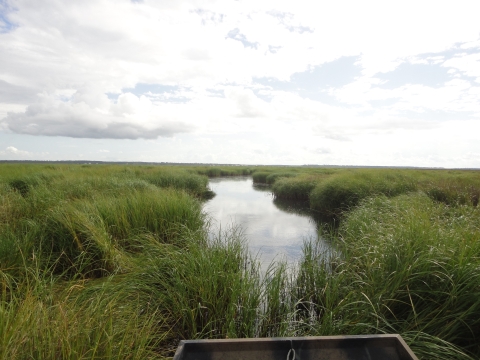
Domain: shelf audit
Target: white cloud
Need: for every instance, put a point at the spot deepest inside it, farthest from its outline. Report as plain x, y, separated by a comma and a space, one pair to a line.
93, 115
176, 43
12, 153
248, 105
73, 69
15, 151
467, 64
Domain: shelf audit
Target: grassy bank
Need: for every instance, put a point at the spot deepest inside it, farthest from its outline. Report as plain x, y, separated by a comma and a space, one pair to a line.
407, 258
105, 262
405, 265
114, 262
333, 192
217, 171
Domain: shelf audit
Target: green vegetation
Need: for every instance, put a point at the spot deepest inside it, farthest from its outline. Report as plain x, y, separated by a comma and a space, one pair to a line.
297, 188
105, 262
75, 244
334, 192
272, 178
260, 177
405, 265
215, 171
339, 193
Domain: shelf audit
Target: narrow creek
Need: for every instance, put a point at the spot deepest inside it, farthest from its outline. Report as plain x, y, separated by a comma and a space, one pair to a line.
275, 230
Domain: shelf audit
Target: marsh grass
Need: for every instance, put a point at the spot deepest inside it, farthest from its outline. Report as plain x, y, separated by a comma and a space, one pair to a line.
406, 261
343, 191
211, 291
48, 323
272, 178
337, 192
260, 177
215, 171
66, 244
296, 188
193, 183
410, 266
114, 262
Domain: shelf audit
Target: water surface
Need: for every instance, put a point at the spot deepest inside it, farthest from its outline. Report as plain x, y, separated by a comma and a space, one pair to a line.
274, 230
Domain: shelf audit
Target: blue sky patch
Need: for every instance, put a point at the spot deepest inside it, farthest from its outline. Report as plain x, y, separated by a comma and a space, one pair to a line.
166, 93
433, 75
6, 25
220, 93
426, 69
299, 29
334, 74
454, 51
315, 83
209, 16
274, 49
262, 94
142, 88
285, 18
236, 35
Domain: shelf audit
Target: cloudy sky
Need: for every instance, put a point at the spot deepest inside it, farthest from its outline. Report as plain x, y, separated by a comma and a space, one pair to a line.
246, 82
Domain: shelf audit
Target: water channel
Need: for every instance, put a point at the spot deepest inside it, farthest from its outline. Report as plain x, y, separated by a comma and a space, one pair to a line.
275, 230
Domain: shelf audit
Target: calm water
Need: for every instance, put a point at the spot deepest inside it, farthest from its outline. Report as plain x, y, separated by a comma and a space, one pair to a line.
274, 230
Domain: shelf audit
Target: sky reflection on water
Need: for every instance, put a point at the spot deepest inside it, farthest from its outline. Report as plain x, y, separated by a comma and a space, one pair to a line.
274, 230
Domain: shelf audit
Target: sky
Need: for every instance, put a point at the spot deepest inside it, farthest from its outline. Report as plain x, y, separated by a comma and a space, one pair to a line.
375, 83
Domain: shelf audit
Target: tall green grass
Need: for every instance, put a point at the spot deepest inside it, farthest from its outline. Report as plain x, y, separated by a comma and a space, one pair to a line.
260, 177
336, 192
69, 241
215, 171
92, 237
404, 265
296, 188
343, 191
210, 291
428, 256
114, 262
196, 184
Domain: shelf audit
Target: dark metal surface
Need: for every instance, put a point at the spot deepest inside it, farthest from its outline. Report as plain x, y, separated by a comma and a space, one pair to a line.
362, 347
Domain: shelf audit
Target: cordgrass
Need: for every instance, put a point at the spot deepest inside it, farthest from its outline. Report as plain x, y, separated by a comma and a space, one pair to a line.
42, 322
114, 262
69, 241
104, 262
260, 177
215, 171
297, 188
416, 264
335, 192
343, 191
404, 265
272, 178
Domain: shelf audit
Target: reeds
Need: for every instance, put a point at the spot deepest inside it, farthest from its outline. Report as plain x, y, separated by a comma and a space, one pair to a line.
341, 192
334, 193
215, 171
113, 262
70, 244
260, 177
296, 188
411, 266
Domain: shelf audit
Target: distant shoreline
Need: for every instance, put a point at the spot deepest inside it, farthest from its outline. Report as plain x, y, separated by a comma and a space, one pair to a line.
98, 162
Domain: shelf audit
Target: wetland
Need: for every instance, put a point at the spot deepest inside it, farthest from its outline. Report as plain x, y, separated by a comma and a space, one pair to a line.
123, 261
